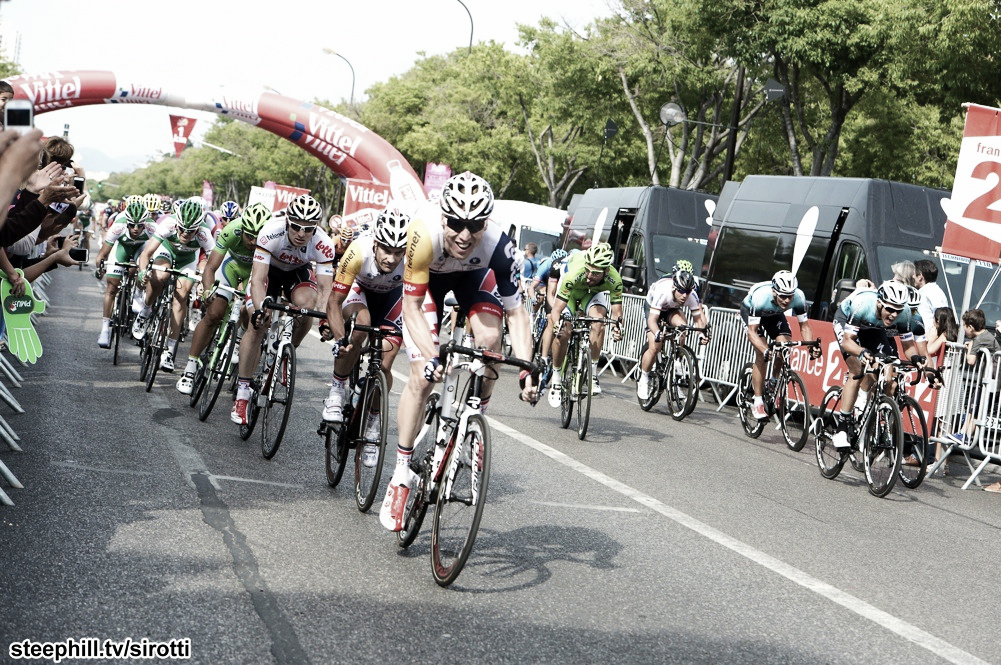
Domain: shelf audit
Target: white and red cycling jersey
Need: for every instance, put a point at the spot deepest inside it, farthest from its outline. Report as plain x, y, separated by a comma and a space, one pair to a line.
274, 249
661, 297
358, 266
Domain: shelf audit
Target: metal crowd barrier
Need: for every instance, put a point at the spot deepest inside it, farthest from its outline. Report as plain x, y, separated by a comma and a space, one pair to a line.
727, 352
970, 392
627, 350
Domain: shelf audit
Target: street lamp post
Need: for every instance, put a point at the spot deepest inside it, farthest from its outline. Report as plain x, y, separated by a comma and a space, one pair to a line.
330, 51
470, 26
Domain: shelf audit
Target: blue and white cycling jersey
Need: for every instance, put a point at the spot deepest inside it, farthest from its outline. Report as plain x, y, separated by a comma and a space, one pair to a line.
858, 312
760, 303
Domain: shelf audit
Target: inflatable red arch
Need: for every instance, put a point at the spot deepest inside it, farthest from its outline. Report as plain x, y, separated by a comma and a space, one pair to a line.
350, 149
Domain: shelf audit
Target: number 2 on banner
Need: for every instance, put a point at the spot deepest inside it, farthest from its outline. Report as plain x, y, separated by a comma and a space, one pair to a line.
979, 207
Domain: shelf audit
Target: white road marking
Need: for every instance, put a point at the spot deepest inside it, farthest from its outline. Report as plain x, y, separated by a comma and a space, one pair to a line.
616, 509
910, 632
254, 480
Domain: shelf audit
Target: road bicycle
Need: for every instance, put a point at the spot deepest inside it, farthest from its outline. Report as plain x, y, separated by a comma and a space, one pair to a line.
576, 379
216, 364
154, 342
369, 397
273, 384
916, 449
675, 372
451, 459
122, 315
784, 396
878, 446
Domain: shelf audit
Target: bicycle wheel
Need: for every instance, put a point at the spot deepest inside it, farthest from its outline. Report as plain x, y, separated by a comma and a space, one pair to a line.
829, 460
793, 409
460, 501
883, 448
335, 455
566, 398
420, 463
374, 403
582, 389
157, 345
682, 383
915, 433
117, 323
215, 372
656, 381
745, 398
274, 418
257, 387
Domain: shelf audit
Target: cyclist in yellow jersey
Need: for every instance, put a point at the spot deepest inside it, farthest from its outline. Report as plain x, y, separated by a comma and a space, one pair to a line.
369, 283
454, 247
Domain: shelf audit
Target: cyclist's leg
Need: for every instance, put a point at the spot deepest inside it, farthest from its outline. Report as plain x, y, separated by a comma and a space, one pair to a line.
354, 304
597, 306
250, 345
386, 311
303, 294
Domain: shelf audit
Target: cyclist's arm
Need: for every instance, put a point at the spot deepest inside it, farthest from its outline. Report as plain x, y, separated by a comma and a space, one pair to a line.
258, 282
323, 281
104, 253
521, 332
415, 284
653, 321
806, 331
149, 249
335, 318
849, 343
617, 311
211, 265
347, 270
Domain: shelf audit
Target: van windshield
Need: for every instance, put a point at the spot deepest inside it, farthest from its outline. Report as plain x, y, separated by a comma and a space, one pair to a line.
887, 255
667, 250
545, 241
954, 284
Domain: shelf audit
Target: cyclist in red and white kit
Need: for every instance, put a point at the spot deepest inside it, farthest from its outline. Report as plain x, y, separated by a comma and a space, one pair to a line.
285, 248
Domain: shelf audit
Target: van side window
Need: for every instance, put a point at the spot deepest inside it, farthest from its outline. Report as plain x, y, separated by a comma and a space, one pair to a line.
634, 255
849, 267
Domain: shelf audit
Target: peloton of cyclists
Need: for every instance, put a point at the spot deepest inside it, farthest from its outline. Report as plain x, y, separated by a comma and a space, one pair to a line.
763, 312
667, 299
175, 243
369, 283
589, 284
232, 258
285, 248
453, 246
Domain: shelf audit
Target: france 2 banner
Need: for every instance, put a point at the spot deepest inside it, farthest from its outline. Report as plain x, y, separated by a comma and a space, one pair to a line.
973, 228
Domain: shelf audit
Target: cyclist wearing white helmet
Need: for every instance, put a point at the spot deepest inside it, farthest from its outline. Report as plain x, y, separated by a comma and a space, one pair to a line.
369, 282
176, 243
763, 311
588, 284
230, 262
126, 238
453, 246
285, 248
667, 300
866, 323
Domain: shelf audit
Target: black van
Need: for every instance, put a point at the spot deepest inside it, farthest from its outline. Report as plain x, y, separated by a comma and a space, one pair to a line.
863, 226
649, 228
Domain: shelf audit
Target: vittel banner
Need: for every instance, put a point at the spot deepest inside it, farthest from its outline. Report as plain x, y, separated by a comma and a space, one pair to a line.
973, 228
56, 90
364, 200
283, 194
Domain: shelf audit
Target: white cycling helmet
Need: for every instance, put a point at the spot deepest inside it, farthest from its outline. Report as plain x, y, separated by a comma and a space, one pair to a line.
784, 283
391, 228
893, 293
304, 208
467, 196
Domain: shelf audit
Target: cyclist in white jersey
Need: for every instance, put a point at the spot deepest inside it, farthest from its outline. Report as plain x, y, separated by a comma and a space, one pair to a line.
667, 298
285, 249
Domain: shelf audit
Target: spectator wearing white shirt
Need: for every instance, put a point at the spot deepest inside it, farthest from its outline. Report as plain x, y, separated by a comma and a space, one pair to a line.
932, 295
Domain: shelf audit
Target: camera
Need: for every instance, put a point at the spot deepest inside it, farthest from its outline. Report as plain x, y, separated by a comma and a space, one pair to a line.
80, 254
19, 114
78, 182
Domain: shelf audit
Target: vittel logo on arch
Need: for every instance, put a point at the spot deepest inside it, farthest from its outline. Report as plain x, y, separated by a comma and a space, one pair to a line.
52, 92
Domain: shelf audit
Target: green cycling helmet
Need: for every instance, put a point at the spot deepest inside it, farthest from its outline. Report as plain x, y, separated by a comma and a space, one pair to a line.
189, 215
136, 212
254, 218
684, 265
600, 256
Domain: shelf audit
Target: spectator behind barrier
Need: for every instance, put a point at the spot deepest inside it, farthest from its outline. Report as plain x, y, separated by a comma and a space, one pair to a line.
978, 338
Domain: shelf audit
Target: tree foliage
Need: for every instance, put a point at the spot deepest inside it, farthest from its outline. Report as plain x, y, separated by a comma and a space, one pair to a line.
873, 88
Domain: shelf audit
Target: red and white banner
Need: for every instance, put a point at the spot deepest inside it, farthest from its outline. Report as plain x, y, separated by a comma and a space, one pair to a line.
181, 129
283, 194
435, 176
208, 192
973, 228
347, 147
364, 200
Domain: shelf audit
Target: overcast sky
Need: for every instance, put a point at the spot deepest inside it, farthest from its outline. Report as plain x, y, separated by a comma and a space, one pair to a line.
195, 45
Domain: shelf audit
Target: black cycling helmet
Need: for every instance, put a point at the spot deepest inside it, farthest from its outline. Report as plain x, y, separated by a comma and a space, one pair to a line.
684, 281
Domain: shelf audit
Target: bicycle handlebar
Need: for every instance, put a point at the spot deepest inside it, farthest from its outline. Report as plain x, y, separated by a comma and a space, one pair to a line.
485, 354
293, 309
882, 359
788, 345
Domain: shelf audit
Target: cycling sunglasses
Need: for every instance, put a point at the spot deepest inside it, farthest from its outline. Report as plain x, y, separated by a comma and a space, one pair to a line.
135, 225
459, 225
893, 310
308, 228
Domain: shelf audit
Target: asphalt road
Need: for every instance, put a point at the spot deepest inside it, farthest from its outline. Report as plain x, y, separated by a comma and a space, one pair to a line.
650, 542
